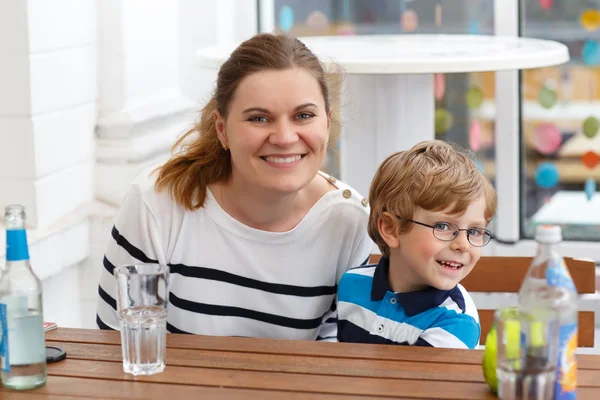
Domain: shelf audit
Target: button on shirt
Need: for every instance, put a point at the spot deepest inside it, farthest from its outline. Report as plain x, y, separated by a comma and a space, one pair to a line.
370, 312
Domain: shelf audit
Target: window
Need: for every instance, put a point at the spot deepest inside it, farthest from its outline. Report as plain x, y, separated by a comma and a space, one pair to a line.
560, 111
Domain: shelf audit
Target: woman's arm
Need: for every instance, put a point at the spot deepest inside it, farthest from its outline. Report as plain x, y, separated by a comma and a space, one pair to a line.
360, 253
134, 238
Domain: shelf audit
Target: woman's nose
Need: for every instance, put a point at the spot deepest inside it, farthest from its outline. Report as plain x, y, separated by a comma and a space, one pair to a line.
283, 135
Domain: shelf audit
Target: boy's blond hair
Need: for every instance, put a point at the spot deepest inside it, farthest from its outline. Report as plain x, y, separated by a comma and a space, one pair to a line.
433, 175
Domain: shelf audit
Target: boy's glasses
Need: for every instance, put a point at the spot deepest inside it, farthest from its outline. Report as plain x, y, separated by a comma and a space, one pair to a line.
447, 232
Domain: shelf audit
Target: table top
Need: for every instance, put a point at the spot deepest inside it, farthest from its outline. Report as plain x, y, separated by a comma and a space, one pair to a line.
249, 368
410, 54
570, 207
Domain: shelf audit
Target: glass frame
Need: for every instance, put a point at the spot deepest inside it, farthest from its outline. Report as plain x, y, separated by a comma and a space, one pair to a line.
456, 231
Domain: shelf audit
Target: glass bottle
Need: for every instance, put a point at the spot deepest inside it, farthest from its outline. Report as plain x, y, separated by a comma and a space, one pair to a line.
23, 349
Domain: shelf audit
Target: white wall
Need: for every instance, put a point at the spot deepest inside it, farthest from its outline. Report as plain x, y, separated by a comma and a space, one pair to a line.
202, 25
47, 106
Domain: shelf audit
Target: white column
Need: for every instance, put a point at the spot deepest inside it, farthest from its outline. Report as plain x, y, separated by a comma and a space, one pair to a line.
141, 107
508, 143
382, 114
47, 106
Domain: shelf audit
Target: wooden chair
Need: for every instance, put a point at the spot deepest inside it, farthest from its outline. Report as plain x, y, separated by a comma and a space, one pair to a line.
505, 275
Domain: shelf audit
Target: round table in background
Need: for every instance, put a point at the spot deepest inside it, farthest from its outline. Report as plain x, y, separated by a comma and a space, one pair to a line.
387, 102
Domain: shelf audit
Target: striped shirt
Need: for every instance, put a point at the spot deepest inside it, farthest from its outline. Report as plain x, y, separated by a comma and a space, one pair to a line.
228, 279
370, 312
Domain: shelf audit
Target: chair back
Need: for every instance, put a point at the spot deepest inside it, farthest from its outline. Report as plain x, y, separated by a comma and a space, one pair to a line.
505, 275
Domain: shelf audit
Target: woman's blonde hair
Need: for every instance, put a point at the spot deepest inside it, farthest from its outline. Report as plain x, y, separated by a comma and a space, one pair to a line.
433, 175
202, 160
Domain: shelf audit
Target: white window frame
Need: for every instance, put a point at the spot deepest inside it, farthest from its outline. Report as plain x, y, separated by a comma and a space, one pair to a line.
508, 145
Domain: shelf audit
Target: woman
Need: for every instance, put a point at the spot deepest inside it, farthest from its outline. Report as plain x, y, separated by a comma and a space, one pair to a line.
256, 237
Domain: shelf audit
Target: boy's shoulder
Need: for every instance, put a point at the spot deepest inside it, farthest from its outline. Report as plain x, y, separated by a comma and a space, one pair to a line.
468, 305
360, 272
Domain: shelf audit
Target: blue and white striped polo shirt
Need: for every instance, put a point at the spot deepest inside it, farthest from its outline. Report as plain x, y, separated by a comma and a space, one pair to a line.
370, 312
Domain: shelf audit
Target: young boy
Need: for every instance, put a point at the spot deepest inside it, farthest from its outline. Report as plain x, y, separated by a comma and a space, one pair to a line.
430, 206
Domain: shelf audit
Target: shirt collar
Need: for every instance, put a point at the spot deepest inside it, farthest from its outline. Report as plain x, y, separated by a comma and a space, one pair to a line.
413, 302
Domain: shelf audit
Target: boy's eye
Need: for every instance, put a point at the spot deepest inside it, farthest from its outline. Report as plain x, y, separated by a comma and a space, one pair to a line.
475, 232
442, 226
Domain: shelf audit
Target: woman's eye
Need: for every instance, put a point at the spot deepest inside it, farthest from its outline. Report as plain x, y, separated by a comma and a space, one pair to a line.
304, 116
442, 226
257, 119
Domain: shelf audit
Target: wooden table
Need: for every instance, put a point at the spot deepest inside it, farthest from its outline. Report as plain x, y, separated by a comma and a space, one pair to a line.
244, 368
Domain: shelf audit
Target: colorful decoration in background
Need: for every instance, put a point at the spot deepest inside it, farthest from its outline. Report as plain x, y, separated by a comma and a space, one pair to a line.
439, 86
547, 138
443, 120
589, 188
474, 97
474, 27
438, 15
409, 20
480, 166
475, 136
546, 175
286, 18
345, 30
545, 4
317, 22
590, 127
590, 20
566, 86
547, 97
590, 159
590, 52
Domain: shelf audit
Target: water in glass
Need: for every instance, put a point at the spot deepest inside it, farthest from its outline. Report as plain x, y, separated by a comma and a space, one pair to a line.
530, 383
143, 337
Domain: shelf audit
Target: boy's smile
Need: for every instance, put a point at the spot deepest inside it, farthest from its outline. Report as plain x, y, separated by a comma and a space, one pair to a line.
418, 259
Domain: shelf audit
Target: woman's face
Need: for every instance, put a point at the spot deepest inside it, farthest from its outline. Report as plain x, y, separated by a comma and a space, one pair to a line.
277, 130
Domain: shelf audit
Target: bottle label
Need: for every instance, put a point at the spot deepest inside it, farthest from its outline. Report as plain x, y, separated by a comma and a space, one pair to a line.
4, 360
25, 332
558, 275
566, 369
16, 245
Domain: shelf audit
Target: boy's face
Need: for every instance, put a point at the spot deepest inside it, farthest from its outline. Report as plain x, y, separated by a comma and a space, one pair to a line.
421, 260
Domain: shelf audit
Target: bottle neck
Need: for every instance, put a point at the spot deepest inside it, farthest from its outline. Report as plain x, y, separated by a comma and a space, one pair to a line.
16, 245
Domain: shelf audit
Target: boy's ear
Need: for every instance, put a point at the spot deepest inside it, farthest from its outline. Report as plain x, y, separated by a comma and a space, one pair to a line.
388, 229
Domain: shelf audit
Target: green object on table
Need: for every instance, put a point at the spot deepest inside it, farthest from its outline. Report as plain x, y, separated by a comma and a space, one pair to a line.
547, 97
443, 120
489, 360
590, 127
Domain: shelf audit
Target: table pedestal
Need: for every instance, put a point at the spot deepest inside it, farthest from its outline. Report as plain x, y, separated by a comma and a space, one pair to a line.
382, 114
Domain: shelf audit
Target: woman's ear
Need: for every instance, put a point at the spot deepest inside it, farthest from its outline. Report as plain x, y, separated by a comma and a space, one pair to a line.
220, 126
388, 229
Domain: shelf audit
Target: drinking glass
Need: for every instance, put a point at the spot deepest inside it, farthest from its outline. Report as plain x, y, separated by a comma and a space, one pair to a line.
142, 307
526, 354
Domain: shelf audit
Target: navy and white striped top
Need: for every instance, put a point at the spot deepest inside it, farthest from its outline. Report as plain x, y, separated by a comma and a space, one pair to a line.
229, 279
370, 312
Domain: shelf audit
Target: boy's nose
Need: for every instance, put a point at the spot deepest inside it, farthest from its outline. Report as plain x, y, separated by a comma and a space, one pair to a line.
461, 243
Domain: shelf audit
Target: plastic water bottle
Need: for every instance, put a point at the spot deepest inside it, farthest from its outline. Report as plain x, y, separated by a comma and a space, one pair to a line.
22, 347
547, 288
